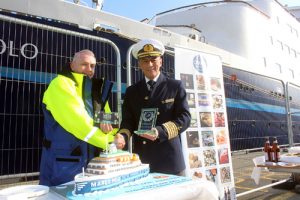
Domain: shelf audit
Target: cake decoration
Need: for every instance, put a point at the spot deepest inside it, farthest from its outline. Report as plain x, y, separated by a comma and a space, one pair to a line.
109, 170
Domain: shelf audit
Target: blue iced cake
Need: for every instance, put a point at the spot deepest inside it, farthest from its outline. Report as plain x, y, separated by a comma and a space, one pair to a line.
109, 170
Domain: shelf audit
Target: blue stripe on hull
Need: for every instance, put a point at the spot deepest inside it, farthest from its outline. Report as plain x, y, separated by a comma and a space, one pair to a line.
250, 105
45, 78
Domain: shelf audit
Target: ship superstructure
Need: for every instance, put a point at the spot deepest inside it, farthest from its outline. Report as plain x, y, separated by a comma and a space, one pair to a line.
262, 31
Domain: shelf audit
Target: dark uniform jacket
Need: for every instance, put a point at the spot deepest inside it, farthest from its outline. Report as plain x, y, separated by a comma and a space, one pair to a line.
165, 153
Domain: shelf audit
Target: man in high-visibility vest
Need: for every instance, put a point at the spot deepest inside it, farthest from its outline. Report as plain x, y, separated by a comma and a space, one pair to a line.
70, 135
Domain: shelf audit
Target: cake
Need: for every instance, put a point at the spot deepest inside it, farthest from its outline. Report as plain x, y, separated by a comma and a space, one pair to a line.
115, 173
109, 170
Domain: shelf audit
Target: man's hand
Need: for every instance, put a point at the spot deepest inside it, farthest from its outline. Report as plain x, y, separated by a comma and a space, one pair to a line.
119, 141
150, 136
106, 128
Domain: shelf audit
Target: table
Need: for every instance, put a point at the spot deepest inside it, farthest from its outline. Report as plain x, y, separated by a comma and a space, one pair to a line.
284, 166
281, 167
191, 189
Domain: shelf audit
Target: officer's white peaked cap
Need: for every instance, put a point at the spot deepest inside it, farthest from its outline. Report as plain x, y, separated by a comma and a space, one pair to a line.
148, 47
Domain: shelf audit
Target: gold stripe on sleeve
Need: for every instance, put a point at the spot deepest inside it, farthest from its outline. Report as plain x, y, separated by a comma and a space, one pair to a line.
172, 129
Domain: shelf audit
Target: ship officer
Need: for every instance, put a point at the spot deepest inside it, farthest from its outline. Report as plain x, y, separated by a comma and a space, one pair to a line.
162, 150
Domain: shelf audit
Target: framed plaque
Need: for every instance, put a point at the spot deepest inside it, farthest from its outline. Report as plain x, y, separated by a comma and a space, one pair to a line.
147, 121
107, 118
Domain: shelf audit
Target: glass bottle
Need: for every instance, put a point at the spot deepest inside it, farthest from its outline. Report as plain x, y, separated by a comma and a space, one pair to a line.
225, 193
275, 150
228, 194
267, 150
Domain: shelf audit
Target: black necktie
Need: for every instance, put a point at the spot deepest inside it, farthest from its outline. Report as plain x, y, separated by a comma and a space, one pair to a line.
151, 84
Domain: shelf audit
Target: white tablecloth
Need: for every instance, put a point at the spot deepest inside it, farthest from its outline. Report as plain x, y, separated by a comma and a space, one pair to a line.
198, 190
191, 189
288, 163
195, 189
290, 158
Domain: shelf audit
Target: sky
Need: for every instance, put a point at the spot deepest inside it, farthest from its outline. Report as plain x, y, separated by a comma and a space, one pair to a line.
141, 9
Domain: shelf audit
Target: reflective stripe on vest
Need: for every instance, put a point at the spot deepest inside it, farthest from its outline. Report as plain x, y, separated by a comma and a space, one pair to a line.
91, 133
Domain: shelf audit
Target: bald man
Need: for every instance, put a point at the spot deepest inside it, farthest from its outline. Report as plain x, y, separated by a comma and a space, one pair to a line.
71, 138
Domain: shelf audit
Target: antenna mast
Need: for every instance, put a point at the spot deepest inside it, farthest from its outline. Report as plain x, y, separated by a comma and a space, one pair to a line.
99, 4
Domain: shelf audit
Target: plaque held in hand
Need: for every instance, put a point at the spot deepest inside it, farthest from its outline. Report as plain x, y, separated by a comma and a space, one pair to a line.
147, 121
107, 118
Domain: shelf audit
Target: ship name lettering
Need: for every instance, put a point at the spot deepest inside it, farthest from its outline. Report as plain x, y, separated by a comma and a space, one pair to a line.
96, 184
25, 48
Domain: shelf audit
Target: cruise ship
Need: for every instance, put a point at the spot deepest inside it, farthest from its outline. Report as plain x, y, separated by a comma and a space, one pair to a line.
266, 34
258, 42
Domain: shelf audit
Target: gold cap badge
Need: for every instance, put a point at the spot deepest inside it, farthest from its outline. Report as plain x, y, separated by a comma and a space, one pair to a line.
148, 48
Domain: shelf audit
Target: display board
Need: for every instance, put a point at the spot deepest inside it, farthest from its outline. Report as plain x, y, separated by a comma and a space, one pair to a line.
205, 143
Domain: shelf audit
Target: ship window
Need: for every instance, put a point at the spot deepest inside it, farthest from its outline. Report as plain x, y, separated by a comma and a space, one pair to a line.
264, 61
289, 27
278, 66
294, 53
271, 39
295, 32
287, 49
279, 44
291, 73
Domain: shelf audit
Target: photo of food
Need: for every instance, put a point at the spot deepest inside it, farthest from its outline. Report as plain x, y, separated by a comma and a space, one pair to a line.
209, 157
215, 84
207, 138
187, 80
194, 160
192, 138
203, 99
223, 155
217, 101
219, 119
194, 121
197, 174
211, 174
191, 99
205, 119
200, 82
225, 174
221, 137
